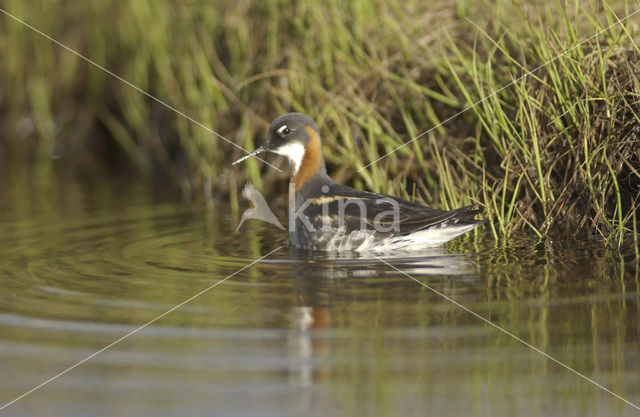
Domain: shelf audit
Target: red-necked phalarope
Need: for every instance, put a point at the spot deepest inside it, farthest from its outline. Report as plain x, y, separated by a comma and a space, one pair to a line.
327, 216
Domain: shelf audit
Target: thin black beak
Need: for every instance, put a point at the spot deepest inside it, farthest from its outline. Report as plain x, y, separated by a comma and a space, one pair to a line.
260, 149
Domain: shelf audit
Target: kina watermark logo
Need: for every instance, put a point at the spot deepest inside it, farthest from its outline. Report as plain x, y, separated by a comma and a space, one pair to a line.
349, 212
260, 209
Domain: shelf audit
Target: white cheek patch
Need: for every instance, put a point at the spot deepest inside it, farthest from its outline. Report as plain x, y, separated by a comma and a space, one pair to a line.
295, 153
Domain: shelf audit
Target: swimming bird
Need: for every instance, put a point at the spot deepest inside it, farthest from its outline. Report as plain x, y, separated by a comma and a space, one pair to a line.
327, 216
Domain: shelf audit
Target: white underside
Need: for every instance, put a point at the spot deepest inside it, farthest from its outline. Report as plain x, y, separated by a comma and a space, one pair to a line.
332, 239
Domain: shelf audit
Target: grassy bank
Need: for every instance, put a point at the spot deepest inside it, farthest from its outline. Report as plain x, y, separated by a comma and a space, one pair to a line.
555, 153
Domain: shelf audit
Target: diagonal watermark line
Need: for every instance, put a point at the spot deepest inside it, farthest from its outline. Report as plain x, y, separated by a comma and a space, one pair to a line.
136, 330
525, 75
489, 322
170, 107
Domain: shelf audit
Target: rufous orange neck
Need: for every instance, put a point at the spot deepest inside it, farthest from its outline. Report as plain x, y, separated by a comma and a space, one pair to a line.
311, 161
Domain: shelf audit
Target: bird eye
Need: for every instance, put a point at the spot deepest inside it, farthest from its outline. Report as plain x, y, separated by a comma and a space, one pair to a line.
284, 130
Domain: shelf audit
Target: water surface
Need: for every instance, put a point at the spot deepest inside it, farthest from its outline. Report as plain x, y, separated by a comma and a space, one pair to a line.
84, 263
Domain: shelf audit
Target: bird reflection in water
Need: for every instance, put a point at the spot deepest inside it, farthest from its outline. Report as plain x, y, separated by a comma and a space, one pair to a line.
320, 280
